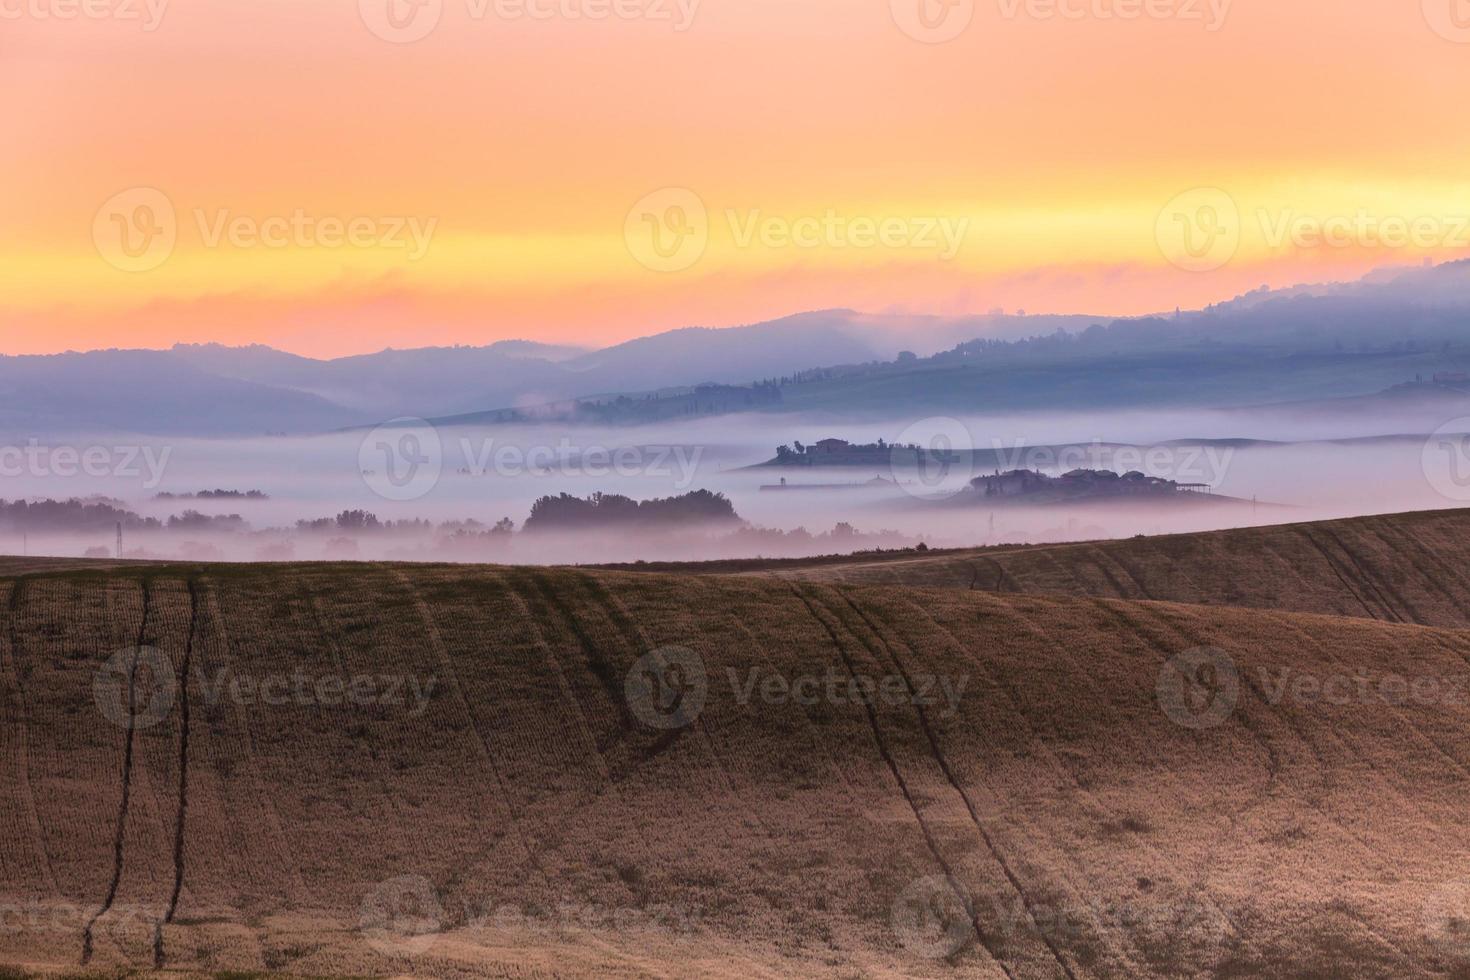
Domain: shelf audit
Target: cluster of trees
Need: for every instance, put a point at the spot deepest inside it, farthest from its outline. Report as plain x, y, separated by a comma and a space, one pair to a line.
193, 520
843, 535
881, 449
358, 521
70, 515
215, 495
609, 510
98, 515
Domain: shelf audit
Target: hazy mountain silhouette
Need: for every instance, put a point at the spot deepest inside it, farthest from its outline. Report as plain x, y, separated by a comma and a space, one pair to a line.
1311, 342
149, 391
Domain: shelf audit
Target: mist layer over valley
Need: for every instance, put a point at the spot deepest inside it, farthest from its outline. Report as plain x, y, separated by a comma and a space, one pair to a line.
819, 433
416, 492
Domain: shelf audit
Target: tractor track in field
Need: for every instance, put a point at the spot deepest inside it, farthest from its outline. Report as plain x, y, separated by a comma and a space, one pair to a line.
1337, 570
487, 756
120, 834
1060, 766
954, 782
1392, 600
183, 810
1436, 570
22, 739
546, 604
523, 603
981, 932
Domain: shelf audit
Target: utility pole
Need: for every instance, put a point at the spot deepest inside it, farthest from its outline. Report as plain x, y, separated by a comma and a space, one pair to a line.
119, 539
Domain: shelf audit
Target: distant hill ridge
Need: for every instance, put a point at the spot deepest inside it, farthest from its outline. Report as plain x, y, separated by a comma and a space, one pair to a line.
1313, 346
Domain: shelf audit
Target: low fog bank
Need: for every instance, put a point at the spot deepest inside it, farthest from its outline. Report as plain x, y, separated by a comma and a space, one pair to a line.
465, 494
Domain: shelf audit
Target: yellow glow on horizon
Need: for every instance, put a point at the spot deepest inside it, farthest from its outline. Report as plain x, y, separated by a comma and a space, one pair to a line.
1055, 144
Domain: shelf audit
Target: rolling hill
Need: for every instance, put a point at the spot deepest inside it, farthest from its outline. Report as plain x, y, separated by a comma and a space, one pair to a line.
1404, 568
334, 770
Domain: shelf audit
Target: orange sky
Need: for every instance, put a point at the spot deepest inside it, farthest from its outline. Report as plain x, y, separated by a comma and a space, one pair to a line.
815, 147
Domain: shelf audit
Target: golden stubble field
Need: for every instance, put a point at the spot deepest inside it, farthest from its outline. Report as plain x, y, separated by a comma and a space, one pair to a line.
353, 770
